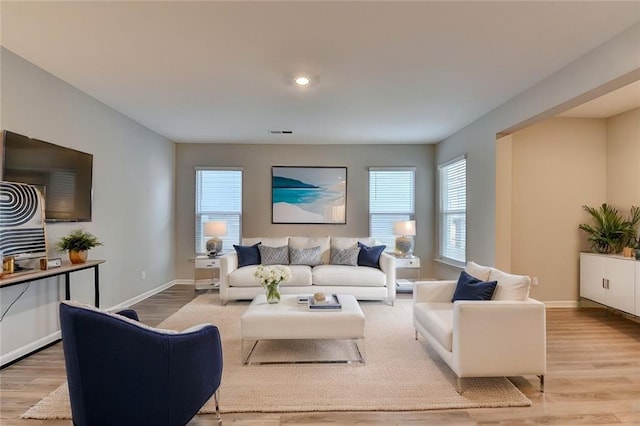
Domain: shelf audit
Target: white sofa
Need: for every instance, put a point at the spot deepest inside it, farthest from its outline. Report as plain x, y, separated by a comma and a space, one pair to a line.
504, 336
363, 282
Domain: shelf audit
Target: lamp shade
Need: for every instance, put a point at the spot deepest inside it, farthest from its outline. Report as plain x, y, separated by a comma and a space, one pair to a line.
405, 227
215, 229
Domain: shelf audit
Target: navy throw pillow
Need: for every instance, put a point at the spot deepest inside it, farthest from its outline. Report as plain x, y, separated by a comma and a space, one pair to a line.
471, 288
370, 256
248, 255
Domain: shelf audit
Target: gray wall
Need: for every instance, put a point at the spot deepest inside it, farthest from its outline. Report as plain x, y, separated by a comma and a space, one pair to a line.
257, 161
610, 66
133, 199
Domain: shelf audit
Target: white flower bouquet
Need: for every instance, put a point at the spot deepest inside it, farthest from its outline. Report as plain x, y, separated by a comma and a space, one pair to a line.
270, 278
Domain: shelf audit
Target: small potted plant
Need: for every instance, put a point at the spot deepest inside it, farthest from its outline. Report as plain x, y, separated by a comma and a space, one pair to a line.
611, 232
77, 243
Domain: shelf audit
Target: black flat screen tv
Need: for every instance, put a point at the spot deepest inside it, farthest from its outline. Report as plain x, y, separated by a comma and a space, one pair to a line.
63, 175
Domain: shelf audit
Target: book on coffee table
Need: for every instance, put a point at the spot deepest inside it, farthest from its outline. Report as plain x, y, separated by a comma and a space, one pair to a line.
331, 303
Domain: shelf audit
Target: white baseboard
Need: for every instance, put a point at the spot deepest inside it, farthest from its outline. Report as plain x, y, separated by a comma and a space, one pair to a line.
183, 281
562, 304
34, 346
27, 349
143, 296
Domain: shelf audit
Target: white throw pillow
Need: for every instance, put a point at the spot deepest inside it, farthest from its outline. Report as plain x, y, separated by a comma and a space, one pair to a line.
478, 271
510, 287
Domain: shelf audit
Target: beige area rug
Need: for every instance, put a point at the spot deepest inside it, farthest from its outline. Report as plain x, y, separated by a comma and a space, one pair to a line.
401, 374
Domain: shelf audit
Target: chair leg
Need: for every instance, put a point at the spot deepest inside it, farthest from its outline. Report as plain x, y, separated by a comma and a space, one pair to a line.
416, 331
215, 398
459, 385
541, 377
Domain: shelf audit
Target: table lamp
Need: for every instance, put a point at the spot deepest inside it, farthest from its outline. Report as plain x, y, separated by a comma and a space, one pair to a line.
214, 230
405, 230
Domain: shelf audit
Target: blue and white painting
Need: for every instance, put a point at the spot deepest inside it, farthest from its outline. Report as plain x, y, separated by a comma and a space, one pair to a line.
309, 194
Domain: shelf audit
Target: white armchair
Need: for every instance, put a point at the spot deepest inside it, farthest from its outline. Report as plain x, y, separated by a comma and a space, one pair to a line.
481, 338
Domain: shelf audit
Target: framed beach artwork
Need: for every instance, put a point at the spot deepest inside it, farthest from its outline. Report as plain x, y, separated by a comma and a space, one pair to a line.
308, 195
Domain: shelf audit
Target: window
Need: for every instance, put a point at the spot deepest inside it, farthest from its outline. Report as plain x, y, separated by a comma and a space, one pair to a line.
453, 210
219, 198
391, 199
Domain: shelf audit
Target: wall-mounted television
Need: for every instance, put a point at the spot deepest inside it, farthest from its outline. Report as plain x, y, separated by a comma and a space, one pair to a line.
63, 175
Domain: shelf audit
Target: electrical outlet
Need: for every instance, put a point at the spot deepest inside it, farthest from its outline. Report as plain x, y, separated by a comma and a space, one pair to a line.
144, 275
534, 281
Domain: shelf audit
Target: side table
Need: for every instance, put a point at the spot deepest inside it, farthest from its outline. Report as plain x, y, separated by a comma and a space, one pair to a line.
205, 262
404, 285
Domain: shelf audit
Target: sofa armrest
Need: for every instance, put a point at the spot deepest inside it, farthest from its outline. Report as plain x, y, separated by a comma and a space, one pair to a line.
228, 264
499, 338
387, 264
433, 291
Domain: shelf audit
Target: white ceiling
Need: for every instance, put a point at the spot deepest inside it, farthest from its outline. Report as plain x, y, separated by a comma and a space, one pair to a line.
383, 72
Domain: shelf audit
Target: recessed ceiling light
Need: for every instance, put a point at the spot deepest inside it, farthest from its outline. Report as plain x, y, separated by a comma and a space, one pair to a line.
302, 80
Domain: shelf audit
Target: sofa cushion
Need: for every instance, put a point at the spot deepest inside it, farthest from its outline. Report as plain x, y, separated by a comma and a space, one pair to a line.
348, 242
471, 288
341, 275
300, 276
370, 256
305, 256
478, 271
245, 277
510, 286
309, 242
271, 241
274, 255
437, 319
248, 255
347, 256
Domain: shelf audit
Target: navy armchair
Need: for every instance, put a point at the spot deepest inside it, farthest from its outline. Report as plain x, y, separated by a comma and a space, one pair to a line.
121, 372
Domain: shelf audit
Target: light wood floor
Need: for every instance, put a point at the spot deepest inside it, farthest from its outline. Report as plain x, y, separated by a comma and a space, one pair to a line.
593, 378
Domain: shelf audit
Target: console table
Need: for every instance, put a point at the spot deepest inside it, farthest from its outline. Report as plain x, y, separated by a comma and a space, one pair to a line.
66, 269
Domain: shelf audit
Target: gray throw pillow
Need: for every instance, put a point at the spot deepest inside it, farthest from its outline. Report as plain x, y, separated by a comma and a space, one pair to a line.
274, 255
306, 256
347, 256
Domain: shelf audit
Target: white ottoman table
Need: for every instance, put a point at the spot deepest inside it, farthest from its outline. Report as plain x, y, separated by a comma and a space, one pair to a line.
292, 320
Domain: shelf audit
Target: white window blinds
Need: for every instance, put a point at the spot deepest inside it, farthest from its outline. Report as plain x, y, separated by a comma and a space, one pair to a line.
453, 210
391, 199
218, 198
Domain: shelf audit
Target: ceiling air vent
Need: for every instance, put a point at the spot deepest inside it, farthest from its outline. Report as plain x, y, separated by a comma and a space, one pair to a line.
281, 132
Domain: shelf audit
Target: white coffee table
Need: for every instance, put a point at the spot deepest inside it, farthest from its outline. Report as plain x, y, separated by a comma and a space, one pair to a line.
292, 320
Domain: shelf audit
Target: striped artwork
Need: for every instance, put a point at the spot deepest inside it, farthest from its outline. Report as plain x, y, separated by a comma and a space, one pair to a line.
21, 221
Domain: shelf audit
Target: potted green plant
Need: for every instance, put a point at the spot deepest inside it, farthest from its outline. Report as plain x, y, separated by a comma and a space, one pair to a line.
78, 243
611, 232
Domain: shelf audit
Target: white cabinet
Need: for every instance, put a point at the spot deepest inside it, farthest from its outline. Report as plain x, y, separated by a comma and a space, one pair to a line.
638, 288
593, 270
610, 280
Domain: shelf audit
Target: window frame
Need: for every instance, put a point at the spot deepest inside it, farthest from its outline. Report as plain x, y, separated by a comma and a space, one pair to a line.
396, 216
442, 214
229, 240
